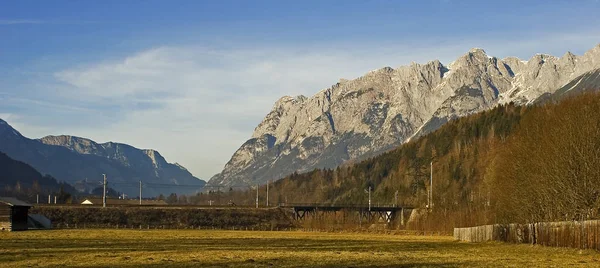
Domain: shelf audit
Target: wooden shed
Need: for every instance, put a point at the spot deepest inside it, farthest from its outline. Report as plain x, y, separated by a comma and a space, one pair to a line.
13, 214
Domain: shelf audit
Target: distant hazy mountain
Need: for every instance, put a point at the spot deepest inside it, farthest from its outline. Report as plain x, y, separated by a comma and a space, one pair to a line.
16, 174
356, 119
81, 162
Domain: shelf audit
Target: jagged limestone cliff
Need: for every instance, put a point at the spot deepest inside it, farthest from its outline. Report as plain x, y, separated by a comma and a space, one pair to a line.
355, 119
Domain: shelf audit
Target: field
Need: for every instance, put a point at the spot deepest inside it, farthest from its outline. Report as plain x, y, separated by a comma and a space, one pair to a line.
192, 248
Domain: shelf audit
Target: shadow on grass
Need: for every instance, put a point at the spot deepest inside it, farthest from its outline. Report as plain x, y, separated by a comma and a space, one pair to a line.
230, 244
173, 246
288, 263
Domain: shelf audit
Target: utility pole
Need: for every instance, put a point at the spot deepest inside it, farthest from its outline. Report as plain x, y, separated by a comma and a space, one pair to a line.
55, 199
219, 195
369, 198
104, 192
431, 186
49, 199
267, 193
37, 198
140, 192
257, 196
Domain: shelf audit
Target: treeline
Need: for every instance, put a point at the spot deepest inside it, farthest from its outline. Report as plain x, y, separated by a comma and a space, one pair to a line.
164, 217
509, 164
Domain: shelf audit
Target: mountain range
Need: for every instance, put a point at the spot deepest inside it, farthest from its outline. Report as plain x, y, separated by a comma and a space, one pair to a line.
81, 163
360, 118
15, 176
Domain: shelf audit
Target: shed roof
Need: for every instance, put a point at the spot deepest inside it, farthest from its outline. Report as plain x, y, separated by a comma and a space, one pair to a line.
11, 201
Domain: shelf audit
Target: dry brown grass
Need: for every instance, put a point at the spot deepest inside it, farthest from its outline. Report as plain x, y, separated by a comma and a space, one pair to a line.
192, 248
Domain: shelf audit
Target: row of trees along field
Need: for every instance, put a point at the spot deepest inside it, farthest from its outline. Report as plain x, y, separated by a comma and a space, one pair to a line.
509, 164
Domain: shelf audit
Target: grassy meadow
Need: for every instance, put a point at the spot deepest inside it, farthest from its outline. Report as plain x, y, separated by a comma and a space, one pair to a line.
193, 248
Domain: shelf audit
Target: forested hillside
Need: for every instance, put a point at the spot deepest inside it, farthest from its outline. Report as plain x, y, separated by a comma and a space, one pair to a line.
509, 164
549, 169
20, 180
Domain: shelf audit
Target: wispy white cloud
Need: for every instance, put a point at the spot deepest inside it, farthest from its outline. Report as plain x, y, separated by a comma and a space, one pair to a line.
52, 21
48, 104
197, 105
6, 116
20, 21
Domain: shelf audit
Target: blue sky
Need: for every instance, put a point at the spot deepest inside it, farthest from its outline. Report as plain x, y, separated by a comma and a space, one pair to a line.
193, 78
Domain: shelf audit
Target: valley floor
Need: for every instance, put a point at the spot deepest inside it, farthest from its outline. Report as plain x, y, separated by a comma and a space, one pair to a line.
193, 248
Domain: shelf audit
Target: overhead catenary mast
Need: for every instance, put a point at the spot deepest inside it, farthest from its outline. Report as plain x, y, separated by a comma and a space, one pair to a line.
368, 191
431, 185
267, 193
104, 192
140, 192
257, 195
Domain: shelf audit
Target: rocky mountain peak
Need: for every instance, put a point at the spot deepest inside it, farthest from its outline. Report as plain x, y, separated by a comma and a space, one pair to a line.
358, 118
540, 59
568, 62
7, 131
478, 52
475, 57
593, 51
515, 64
75, 159
77, 144
569, 56
590, 59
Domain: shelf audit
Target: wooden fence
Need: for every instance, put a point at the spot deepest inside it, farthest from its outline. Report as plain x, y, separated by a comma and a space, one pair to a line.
573, 234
